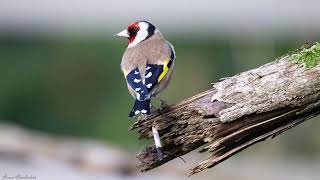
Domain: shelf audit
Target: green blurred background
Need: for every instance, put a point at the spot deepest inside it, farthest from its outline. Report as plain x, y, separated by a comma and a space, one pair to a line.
62, 75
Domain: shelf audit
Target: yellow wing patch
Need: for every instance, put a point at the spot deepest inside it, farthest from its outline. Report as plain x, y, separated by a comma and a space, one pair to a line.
125, 73
165, 69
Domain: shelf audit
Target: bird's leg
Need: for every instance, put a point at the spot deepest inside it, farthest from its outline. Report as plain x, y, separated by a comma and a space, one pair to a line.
163, 104
157, 143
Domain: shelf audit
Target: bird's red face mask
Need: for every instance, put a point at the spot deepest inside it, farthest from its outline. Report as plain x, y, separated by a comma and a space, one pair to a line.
133, 30
130, 33
137, 32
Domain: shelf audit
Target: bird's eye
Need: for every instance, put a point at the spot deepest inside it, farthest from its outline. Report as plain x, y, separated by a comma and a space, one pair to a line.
133, 30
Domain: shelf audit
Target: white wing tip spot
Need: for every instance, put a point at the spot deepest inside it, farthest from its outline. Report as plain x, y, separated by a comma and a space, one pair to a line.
136, 112
148, 75
137, 80
137, 89
149, 85
143, 111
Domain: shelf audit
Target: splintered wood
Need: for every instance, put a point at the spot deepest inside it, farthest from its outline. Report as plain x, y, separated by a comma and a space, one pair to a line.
237, 113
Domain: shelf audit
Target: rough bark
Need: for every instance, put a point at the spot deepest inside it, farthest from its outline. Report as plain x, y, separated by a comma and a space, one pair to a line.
236, 113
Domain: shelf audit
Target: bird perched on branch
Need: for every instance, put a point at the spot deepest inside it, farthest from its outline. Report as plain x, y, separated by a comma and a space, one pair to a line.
146, 64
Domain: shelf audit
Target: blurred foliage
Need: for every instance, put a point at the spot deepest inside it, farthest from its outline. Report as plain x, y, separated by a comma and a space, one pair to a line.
309, 56
74, 85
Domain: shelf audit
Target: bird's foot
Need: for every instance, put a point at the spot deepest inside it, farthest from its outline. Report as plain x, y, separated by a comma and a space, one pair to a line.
163, 105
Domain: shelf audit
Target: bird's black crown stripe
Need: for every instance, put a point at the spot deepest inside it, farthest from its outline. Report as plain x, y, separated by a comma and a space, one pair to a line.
151, 30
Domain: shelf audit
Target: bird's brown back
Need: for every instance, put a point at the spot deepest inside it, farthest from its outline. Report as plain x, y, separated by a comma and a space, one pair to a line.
152, 51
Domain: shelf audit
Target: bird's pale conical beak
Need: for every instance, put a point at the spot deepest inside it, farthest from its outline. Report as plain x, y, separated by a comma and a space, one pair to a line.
123, 33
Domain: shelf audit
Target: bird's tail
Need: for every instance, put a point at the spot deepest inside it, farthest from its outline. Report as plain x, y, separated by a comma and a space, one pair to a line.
142, 107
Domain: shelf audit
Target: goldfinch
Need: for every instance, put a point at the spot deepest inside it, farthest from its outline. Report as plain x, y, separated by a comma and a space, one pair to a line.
147, 64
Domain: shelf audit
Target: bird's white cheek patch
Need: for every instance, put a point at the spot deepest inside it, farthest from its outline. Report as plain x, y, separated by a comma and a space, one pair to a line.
141, 35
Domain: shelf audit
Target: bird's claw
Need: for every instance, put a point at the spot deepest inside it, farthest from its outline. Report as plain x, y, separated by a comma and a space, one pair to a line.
163, 105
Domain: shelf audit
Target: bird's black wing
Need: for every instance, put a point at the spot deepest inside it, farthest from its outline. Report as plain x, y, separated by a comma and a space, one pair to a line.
135, 81
156, 72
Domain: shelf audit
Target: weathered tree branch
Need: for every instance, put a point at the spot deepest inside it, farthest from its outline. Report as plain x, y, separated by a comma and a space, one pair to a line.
238, 112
